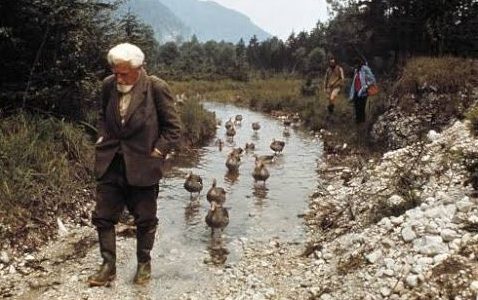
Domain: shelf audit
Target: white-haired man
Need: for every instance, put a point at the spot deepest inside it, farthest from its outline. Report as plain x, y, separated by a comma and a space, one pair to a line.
137, 126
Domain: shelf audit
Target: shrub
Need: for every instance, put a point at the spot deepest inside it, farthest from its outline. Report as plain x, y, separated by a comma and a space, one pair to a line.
43, 165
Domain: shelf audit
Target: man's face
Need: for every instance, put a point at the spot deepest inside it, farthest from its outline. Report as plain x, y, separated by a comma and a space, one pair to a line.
332, 63
125, 74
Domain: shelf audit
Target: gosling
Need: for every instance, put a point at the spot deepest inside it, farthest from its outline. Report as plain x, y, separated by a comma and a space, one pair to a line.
260, 172
233, 161
217, 217
216, 194
229, 123
193, 184
256, 126
277, 146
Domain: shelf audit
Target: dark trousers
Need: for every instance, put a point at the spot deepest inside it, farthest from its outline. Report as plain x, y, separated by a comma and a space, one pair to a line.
113, 193
360, 103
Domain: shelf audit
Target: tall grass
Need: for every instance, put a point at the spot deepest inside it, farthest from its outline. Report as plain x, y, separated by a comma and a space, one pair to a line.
284, 95
442, 74
199, 124
43, 164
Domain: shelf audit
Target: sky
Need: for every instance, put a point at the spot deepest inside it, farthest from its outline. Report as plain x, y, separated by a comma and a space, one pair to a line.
281, 17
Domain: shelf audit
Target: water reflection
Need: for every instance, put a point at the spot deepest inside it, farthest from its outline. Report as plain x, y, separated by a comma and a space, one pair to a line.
217, 250
232, 177
191, 212
259, 190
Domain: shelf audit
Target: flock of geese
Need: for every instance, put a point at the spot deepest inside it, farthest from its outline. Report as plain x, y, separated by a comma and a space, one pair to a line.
218, 216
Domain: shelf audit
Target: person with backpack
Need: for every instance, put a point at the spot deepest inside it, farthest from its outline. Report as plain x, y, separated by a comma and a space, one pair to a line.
362, 80
334, 79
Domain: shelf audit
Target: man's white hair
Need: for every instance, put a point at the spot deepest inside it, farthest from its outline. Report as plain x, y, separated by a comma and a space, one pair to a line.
126, 52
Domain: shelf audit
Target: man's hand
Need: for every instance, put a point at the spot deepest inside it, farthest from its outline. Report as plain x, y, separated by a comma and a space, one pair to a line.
156, 153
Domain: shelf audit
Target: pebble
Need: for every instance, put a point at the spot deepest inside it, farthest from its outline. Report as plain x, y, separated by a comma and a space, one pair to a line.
408, 234
385, 291
374, 256
430, 245
4, 257
412, 280
474, 286
448, 235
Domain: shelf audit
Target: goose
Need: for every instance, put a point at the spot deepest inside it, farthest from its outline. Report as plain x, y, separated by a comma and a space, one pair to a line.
238, 119
217, 217
256, 126
267, 159
193, 183
277, 146
231, 132
237, 151
260, 172
250, 146
229, 123
216, 194
233, 161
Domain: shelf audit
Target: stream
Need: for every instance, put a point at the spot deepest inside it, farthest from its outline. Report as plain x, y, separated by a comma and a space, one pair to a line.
186, 258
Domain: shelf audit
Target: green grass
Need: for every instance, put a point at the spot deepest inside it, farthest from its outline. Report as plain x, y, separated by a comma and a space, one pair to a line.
43, 165
284, 96
199, 125
445, 74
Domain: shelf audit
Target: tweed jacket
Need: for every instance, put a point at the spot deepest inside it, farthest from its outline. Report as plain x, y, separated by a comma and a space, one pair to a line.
151, 122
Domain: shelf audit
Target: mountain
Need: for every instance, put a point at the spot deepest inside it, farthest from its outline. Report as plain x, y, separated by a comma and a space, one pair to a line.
166, 25
211, 21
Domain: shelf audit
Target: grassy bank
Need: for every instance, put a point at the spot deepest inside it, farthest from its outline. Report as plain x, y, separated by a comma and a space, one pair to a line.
46, 172
45, 167
284, 96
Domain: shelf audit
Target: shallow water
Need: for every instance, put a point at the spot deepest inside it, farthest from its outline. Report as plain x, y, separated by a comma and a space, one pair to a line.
186, 258
185, 247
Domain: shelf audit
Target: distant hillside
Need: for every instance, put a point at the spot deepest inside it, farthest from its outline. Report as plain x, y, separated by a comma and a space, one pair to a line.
211, 21
167, 26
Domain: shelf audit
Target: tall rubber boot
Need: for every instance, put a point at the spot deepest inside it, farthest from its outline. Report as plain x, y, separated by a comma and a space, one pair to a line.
144, 245
107, 271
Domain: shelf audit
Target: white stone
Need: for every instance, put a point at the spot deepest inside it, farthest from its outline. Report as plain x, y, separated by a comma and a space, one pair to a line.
388, 272
374, 256
396, 220
432, 135
385, 291
4, 257
430, 245
448, 235
29, 257
408, 234
386, 224
464, 204
396, 200
412, 280
326, 297
415, 214
437, 212
389, 263
439, 258
474, 286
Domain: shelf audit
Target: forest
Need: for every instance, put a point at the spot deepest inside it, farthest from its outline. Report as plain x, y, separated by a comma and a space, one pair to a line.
53, 51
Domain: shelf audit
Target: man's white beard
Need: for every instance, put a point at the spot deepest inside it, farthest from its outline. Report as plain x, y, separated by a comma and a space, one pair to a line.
122, 88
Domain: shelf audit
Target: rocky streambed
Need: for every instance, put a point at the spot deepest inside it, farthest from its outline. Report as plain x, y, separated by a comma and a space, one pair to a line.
404, 226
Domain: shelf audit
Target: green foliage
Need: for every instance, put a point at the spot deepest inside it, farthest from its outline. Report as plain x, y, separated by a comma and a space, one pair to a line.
199, 125
443, 75
472, 116
43, 164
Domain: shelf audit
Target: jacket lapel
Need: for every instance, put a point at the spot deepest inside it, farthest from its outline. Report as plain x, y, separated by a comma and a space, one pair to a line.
137, 95
114, 106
